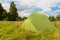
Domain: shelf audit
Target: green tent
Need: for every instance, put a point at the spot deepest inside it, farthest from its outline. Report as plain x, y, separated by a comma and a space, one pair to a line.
38, 22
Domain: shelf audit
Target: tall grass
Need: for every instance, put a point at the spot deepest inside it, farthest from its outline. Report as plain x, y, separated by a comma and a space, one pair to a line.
13, 31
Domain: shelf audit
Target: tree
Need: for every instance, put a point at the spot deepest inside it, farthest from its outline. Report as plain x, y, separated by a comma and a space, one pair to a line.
24, 18
19, 19
58, 17
12, 12
51, 18
3, 13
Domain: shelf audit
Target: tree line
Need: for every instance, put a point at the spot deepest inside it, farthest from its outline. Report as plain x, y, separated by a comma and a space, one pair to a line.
56, 18
12, 15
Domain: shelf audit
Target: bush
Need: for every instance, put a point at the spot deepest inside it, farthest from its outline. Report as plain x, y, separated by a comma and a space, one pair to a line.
52, 18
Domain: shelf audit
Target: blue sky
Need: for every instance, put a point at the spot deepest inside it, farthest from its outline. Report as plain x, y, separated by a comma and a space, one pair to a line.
26, 7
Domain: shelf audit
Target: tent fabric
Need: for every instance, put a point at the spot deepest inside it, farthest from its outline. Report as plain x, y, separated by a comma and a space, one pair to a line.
38, 22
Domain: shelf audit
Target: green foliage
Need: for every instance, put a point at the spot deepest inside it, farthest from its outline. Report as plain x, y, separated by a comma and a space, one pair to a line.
52, 18
12, 15
24, 18
12, 12
19, 19
3, 13
58, 17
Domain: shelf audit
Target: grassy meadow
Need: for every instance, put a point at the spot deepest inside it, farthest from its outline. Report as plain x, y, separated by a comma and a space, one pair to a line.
38, 26
30, 29
11, 30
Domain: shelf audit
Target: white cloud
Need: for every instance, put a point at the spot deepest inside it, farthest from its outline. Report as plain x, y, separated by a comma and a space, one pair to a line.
6, 6
44, 4
59, 6
31, 4
56, 12
39, 3
47, 10
23, 13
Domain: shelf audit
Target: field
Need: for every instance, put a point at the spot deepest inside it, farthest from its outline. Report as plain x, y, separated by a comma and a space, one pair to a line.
9, 29
36, 27
12, 31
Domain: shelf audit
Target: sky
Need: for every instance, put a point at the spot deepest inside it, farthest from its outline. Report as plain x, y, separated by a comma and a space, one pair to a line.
26, 7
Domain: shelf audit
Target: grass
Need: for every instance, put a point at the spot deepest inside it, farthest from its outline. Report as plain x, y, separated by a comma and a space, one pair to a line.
13, 31
9, 28
28, 30
57, 24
